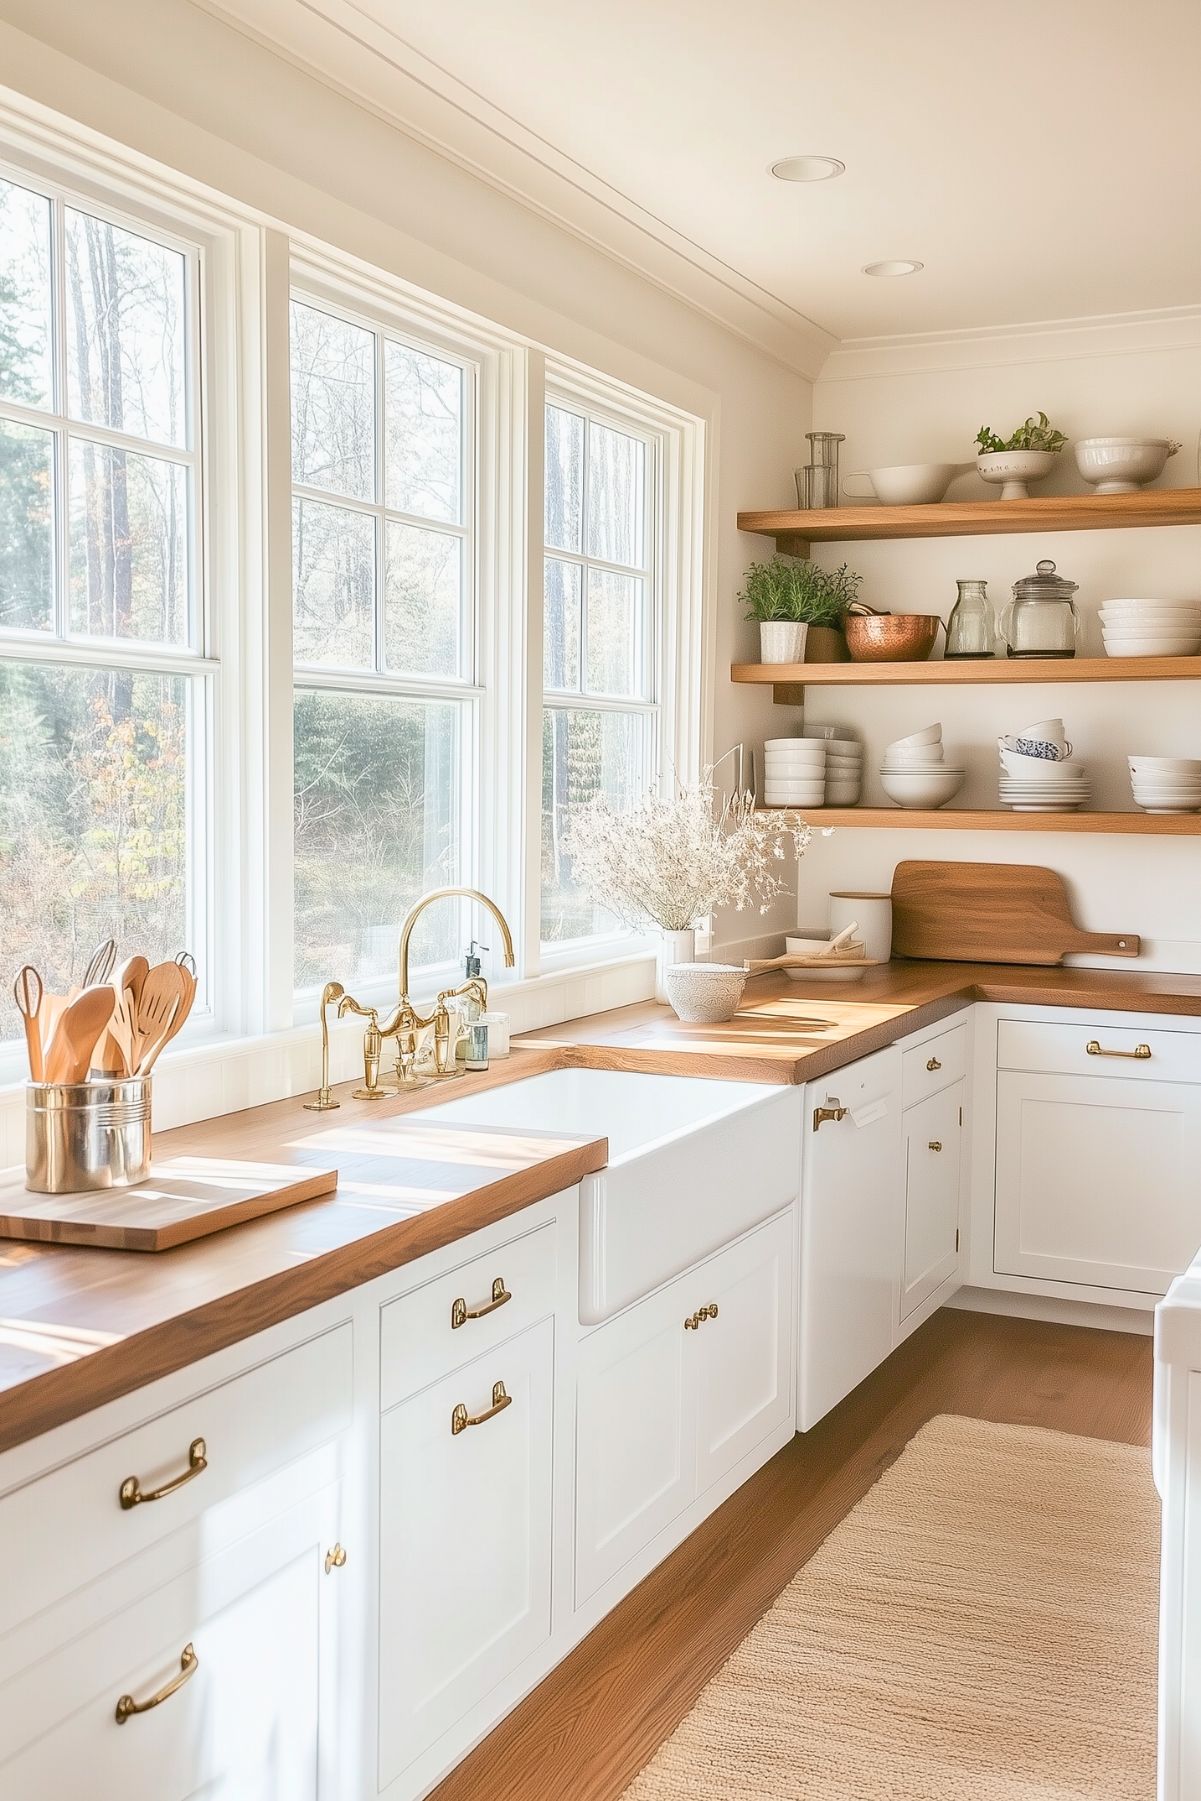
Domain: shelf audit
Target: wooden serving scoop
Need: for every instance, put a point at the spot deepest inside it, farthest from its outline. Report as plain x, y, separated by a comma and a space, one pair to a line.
756, 965
83, 1020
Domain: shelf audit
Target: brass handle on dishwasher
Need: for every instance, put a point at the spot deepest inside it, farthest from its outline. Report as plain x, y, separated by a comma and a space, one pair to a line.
189, 1663
822, 1114
1139, 1054
131, 1493
460, 1312
460, 1419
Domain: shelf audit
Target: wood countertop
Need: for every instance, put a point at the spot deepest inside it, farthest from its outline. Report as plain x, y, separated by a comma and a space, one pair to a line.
81, 1326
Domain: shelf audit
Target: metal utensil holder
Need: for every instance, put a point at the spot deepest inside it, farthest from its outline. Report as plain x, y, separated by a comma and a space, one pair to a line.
83, 1136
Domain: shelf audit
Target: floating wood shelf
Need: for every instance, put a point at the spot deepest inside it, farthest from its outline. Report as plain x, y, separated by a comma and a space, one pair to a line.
789, 680
795, 530
968, 819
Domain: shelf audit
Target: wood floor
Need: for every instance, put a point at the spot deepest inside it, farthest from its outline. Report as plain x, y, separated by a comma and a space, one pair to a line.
587, 1730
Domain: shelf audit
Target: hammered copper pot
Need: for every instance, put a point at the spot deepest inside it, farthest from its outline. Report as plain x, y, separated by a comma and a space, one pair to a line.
891, 637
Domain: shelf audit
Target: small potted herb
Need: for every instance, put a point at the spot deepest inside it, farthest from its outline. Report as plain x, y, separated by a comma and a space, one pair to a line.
1027, 455
793, 599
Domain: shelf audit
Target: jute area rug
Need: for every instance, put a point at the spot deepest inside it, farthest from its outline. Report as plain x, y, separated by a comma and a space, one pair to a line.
980, 1628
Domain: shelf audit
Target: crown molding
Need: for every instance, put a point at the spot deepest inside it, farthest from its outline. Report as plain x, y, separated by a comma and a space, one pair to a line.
1048, 341
368, 63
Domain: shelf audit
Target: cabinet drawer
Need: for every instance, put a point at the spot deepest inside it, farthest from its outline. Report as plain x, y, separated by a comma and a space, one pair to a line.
71, 1526
1128, 1051
419, 1337
247, 1722
933, 1065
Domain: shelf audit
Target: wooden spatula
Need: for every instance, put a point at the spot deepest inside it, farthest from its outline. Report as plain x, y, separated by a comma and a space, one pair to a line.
28, 993
70, 1055
160, 1000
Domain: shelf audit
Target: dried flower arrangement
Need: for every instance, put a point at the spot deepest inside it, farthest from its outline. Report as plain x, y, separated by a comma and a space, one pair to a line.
674, 858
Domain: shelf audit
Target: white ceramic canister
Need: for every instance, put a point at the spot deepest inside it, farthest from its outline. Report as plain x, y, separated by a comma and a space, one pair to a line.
874, 914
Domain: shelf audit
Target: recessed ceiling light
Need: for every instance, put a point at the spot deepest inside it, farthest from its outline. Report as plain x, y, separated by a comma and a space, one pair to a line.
893, 266
807, 168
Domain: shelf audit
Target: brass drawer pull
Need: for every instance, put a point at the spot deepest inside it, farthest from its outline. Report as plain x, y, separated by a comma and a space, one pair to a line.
131, 1493
697, 1319
460, 1312
1139, 1054
935, 1144
335, 1559
189, 1663
932, 1064
460, 1419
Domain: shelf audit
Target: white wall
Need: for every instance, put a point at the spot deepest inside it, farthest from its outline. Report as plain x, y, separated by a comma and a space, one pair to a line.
901, 406
178, 85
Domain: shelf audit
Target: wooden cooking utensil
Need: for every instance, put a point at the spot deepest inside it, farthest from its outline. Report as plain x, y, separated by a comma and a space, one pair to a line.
161, 997
756, 965
115, 1052
991, 913
130, 974
100, 964
75, 1037
28, 992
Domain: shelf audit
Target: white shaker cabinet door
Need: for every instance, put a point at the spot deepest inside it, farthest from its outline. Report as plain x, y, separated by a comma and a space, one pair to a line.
743, 1351
465, 1541
635, 1434
240, 1651
933, 1143
1097, 1179
852, 1200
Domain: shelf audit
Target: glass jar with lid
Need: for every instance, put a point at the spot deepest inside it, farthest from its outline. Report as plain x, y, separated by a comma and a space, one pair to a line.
1041, 619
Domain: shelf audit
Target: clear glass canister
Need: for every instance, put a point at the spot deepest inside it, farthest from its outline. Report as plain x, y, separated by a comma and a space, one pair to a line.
972, 627
1041, 619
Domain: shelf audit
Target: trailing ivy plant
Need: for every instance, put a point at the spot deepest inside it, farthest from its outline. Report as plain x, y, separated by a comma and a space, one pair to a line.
1033, 434
801, 591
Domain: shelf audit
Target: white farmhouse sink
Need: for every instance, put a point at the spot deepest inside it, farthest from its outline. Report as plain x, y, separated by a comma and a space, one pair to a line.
692, 1163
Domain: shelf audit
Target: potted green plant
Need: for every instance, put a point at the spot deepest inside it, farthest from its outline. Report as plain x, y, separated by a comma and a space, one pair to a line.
1027, 455
793, 599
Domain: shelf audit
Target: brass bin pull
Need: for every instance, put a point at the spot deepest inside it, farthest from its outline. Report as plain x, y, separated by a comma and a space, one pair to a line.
132, 1494
935, 1144
460, 1419
1139, 1054
932, 1064
460, 1312
189, 1663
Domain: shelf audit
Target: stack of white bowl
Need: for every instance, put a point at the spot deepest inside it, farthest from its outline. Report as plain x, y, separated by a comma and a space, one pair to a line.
1039, 773
914, 771
1151, 628
812, 772
1166, 784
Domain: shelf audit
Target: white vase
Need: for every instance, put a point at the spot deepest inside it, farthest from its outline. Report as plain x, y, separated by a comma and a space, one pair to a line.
782, 640
674, 947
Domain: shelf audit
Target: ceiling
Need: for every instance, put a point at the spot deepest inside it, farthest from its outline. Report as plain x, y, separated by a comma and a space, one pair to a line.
1042, 158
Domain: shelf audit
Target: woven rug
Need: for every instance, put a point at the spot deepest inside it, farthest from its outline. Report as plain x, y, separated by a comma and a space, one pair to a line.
980, 1628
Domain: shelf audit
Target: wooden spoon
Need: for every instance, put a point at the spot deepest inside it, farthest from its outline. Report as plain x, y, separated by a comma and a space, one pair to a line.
130, 974
28, 992
114, 1054
160, 1000
76, 1035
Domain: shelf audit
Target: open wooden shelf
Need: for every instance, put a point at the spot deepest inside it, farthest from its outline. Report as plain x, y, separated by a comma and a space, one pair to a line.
790, 679
970, 819
795, 529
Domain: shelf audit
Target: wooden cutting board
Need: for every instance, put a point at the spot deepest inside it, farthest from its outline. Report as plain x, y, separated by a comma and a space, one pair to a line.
184, 1198
991, 913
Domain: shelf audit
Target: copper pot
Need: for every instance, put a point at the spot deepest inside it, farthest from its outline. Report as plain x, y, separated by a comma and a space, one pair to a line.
891, 637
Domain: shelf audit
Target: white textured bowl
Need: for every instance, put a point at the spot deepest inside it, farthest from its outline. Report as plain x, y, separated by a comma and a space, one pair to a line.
932, 734
1161, 766
926, 790
921, 754
704, 994
1014, 468
792, 746
1119, 465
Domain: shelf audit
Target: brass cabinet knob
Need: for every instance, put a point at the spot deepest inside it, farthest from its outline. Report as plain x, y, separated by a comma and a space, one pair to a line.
932, 1064
935, 1144
335, 1559
692, 1322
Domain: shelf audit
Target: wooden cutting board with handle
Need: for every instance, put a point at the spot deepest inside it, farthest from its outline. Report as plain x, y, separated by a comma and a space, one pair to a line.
991, 913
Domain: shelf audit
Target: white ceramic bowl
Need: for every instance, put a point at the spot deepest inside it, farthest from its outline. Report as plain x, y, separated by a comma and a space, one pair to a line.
843, 794
794, 797
1142, 609
704, 993
928, 789
931, 735
1119, 465
1014, 468
904, 484
1039, 769
1161, 766
921, 754
797, 743
795, 759
1166, 784
1153, 647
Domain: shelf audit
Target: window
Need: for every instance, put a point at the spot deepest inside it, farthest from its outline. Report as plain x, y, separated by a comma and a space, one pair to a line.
383, 586
105, 676
600, 635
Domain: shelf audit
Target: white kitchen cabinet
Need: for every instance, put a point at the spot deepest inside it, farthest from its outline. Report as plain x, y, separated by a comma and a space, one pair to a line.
675, 1392
1096, 1179
465, 1541
933, 1160
248, 1638
852, 1203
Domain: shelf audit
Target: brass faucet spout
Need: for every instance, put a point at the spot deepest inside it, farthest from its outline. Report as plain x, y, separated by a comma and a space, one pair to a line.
418, 908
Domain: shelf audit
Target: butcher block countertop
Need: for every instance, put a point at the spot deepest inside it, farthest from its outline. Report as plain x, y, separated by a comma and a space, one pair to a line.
81, 1326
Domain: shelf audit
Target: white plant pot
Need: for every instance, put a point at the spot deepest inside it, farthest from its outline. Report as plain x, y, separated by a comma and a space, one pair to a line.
1013, 469
782, 640
674, 947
